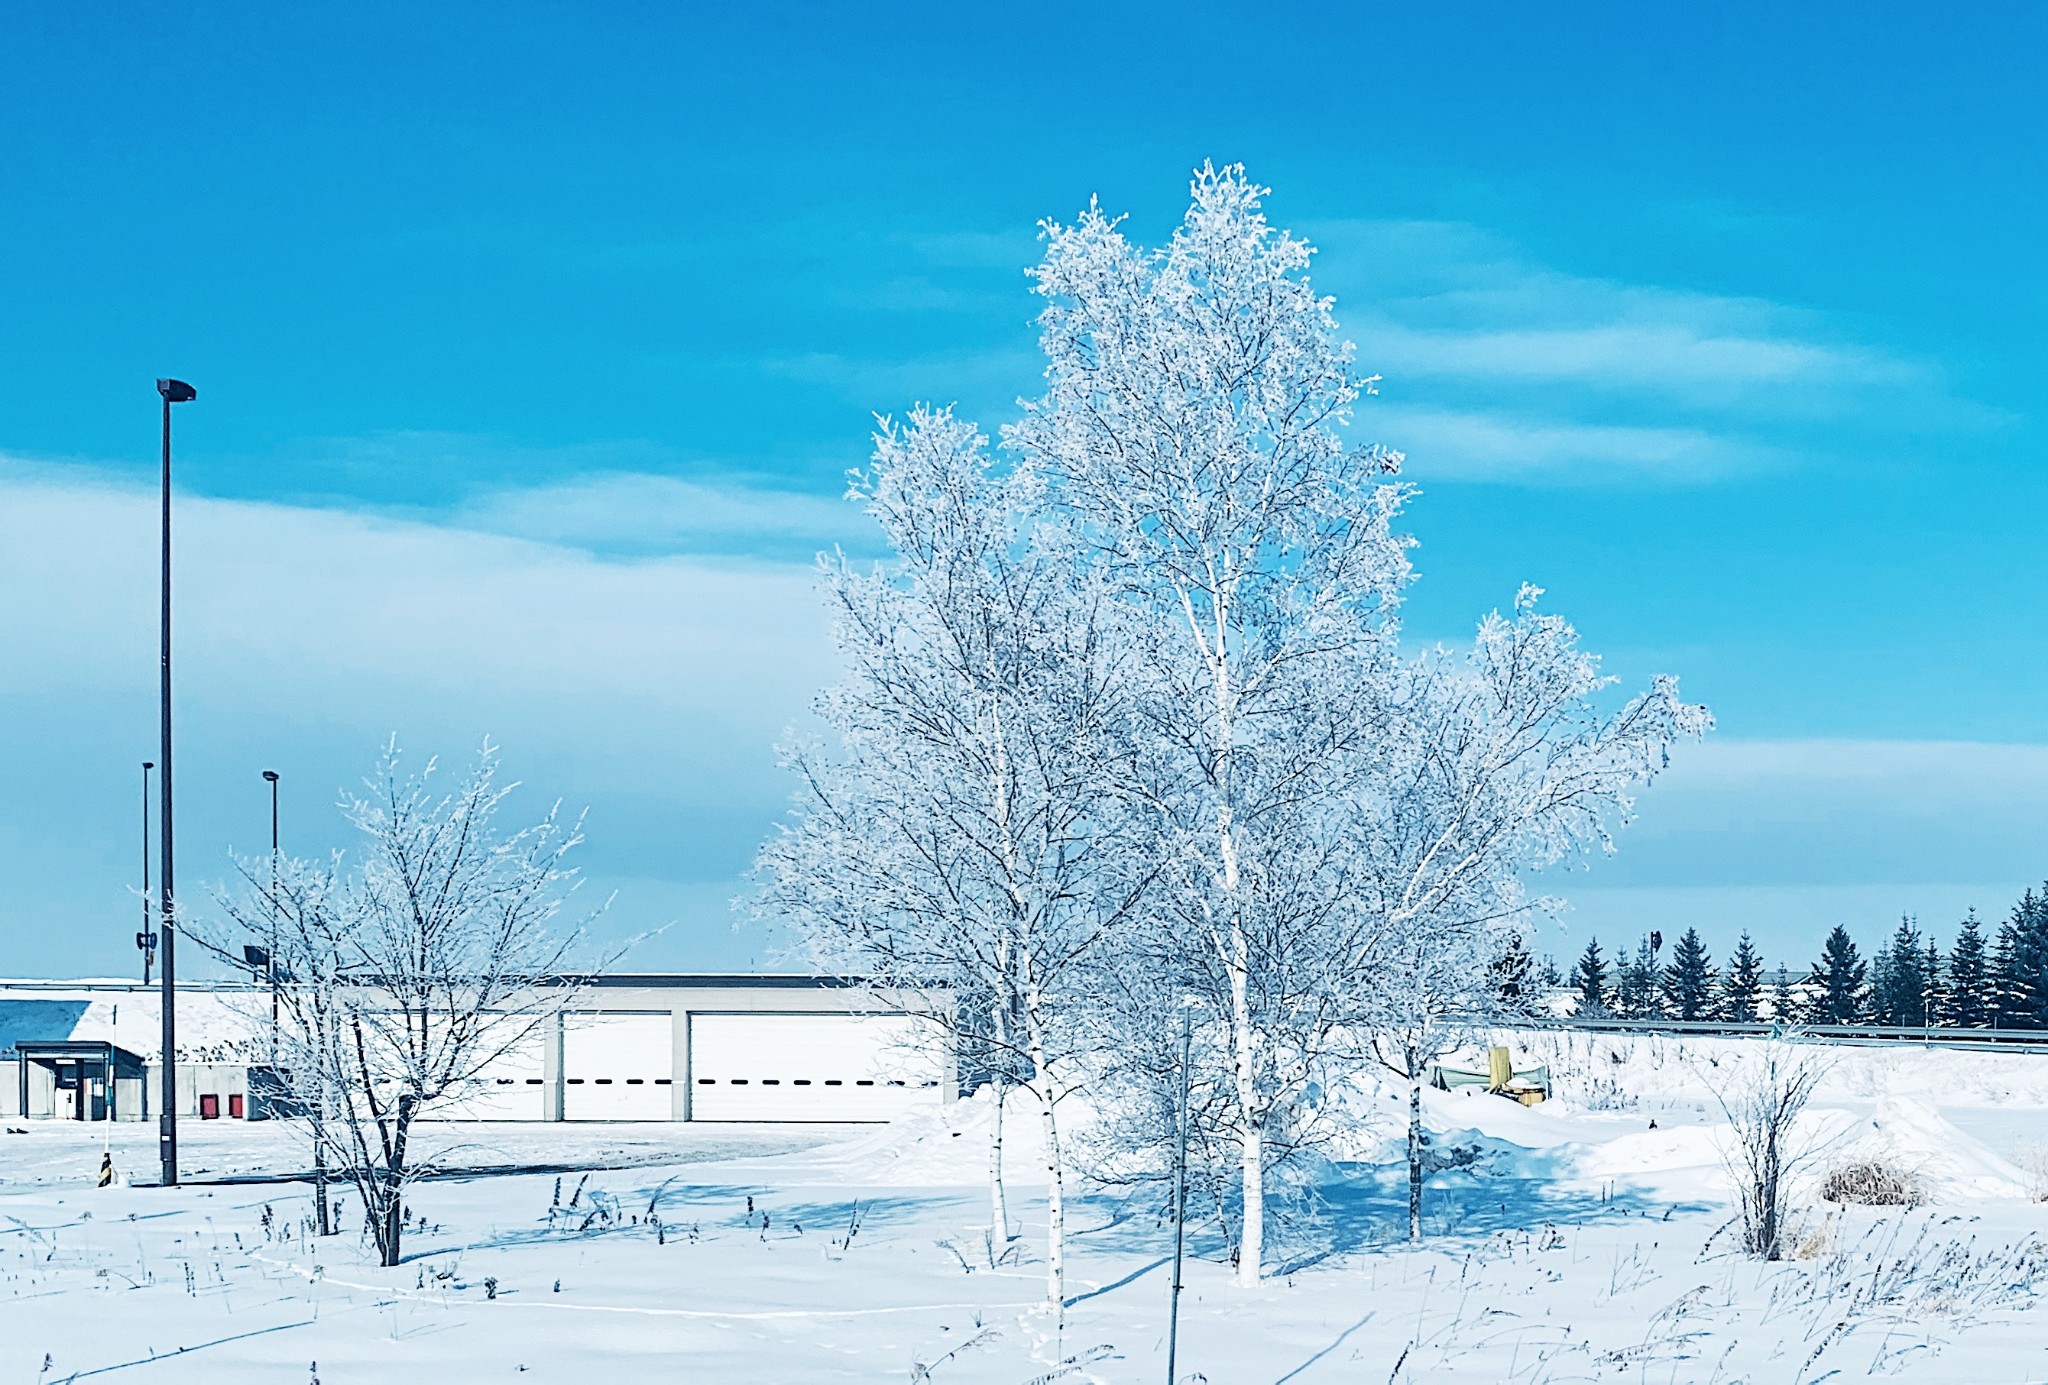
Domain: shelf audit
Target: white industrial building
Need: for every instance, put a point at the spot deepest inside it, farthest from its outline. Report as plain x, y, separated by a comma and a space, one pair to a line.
632, 1048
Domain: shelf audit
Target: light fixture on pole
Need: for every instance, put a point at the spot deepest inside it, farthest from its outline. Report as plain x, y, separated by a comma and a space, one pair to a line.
173, 392
146, 939
270, 952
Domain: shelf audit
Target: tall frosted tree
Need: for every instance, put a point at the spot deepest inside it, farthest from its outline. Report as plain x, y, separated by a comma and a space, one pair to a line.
1841, 995
1743, 983
955, 845
1967, 1001
1688, 981
1192, 422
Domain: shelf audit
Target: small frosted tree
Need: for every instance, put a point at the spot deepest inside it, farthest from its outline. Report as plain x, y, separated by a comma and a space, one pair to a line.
1762, 1092
956, 847
1493, 766
407, 969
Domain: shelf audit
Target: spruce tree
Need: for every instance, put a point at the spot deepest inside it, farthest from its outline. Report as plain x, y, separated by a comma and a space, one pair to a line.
1513, 977
1967, 1000
1839, 976
1742, 987
1898, 991
1589, 979
2025, 989
1785, 1002
1636, 991
1688, 982
2004, 985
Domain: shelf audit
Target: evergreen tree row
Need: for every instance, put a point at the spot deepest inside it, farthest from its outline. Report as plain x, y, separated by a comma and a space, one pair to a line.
2001, 982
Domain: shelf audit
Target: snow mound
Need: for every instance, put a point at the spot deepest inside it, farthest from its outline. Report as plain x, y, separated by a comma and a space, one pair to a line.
946, 1145
1949, 1165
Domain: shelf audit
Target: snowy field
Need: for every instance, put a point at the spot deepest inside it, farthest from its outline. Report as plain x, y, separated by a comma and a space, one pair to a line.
1577, 1242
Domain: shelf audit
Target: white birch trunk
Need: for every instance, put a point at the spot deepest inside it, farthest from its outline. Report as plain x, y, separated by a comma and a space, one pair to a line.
1055, 1182
1414, 1146
1251, 1246
998, 1202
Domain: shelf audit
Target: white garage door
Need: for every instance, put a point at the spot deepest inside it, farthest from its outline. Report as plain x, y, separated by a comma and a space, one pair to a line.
618, 1067
808, 1068
509, 1088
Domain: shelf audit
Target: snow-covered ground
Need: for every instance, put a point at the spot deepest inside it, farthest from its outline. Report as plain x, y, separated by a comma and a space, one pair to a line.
1579, 1244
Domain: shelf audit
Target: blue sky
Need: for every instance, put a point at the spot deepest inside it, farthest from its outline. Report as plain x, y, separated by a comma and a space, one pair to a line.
533, 342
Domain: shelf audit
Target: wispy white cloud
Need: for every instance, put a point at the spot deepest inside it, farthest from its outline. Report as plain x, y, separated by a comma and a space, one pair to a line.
633, 512
1493, 446
1521, 371
652, 690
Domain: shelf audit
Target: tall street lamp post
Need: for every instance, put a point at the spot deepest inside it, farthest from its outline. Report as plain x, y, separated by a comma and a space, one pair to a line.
173, 392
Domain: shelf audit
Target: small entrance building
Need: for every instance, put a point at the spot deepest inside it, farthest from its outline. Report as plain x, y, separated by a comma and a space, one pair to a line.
80, 1080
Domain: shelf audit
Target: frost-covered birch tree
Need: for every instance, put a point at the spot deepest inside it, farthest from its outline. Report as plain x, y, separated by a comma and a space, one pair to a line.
953, 848
1495, 764
1192, 424
406, 971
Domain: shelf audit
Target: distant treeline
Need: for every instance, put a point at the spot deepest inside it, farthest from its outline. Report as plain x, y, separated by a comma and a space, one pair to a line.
1980, 983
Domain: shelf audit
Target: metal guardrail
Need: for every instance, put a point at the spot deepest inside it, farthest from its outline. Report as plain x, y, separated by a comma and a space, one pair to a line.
1924, 1036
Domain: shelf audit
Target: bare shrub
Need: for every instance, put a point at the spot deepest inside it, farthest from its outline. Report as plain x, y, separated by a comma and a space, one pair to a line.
2033, 1162
1762, 1094
1873, 1183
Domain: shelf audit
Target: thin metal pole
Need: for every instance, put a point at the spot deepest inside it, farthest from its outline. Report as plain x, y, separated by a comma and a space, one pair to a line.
270, 955
1180, 1204
167, 1120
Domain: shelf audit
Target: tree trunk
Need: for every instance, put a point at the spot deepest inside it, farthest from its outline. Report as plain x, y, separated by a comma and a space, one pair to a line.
1252, 1156
998, 1202
1055, 1184
1414, 1147
392, 1214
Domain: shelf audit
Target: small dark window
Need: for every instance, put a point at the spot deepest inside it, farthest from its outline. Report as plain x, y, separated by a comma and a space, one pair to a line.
863, 1082
771, 1082
506, 1082
707, 1082
533, 1081
834, 1082
636, 1082
575, 1081
738, 1081
606, 1082
803, 1081
895, 1082
666, 1082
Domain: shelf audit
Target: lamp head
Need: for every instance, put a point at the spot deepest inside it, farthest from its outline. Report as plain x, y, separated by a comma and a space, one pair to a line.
176, 391
271, 775
149, 764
